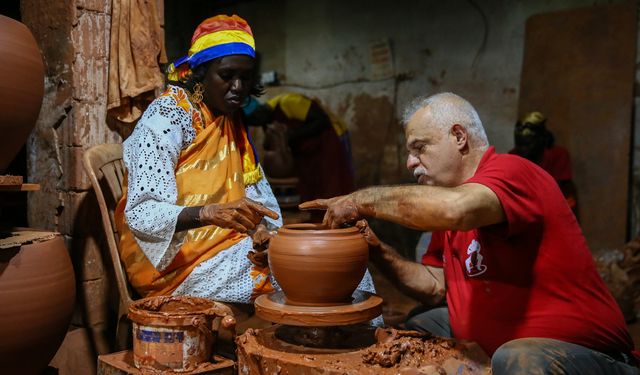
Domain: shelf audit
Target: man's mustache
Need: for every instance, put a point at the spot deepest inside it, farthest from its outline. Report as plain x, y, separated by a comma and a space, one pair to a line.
419, 171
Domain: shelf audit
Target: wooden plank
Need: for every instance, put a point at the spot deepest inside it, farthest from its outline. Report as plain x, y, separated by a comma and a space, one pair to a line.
23, 187
579, 70
121, 363
10, 180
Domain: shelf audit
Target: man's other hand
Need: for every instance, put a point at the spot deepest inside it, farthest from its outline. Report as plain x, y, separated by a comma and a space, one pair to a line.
368, 234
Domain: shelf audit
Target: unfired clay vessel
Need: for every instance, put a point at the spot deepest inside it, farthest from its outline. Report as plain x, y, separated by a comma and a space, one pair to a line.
21, 87
316, 266
37, 294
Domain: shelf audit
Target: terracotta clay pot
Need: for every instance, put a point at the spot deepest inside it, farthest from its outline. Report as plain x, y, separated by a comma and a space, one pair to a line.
21, 87
37, 294
318, 267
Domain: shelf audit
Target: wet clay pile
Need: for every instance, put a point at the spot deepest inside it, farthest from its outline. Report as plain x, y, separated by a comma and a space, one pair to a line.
383, 351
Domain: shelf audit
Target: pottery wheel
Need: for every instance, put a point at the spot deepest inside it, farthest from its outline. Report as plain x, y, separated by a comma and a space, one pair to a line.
274, 308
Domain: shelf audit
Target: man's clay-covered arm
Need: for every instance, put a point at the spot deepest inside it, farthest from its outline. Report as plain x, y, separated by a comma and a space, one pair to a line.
419, 207
424, 283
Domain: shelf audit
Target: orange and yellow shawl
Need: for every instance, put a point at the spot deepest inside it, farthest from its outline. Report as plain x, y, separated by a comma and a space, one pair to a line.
213, 169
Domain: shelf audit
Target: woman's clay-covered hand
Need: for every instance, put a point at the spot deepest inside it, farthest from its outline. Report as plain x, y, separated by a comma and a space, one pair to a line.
261, 237
241, 215
259, 258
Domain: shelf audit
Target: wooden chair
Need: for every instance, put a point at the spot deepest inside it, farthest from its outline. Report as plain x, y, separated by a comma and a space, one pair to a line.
104, 165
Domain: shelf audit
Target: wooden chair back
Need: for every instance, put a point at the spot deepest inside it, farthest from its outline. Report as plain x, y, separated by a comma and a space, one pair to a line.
106, 170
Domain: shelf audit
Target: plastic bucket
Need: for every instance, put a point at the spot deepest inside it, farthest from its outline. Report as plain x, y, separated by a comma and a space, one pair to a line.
175, 333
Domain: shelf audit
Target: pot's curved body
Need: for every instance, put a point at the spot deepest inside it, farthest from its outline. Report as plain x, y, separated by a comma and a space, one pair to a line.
21, 87
318, 267
37, 294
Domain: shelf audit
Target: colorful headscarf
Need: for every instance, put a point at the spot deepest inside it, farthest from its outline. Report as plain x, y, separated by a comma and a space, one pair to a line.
215, 37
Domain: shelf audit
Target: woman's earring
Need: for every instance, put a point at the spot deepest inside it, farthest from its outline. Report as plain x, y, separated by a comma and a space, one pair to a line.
198, 90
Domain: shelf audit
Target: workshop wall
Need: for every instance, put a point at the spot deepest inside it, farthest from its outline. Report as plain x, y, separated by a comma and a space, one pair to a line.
337, 51
324, 49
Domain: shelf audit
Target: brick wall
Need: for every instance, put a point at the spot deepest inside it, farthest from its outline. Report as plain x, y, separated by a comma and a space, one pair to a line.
73, 36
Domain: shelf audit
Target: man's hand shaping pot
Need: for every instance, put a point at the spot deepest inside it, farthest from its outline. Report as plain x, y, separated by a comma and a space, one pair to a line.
341, 211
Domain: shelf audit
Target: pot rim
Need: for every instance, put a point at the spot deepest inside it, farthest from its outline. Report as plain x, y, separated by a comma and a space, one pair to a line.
303, 229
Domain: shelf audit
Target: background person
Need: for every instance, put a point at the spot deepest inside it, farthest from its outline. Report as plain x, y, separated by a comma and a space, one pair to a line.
536, 143
307, 141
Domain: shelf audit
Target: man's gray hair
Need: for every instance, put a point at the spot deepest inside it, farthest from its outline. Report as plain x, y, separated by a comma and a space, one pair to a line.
447, 109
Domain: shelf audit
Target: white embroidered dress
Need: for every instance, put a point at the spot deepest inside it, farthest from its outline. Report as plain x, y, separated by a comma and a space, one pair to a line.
151, 155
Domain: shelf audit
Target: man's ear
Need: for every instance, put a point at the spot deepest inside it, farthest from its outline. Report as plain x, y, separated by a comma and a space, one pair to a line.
460, 134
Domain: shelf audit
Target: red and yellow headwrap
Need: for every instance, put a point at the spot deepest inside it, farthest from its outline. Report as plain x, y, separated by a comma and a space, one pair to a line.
215, 37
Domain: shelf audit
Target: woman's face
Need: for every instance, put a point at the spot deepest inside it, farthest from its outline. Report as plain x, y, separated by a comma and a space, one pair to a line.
228, 82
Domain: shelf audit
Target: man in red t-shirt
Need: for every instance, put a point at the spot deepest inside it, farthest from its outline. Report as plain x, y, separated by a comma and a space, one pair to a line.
507, 253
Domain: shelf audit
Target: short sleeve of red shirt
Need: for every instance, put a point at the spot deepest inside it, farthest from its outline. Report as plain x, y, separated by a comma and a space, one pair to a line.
435, 251
510, 178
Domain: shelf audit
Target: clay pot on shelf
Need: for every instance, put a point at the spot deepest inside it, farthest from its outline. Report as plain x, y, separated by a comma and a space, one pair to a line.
316, 266
21, 87
37, 295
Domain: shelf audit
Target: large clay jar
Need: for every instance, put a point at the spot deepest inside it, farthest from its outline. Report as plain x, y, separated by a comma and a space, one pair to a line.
21, 87
318, 267
37, 294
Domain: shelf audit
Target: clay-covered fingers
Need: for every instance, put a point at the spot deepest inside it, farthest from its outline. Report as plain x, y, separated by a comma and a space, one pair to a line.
261, 210
330, 220
317, 204
368, 234
226, 217
249, 213
362, 225
341, 212
259, 258
261, 238
244, 221
241, 215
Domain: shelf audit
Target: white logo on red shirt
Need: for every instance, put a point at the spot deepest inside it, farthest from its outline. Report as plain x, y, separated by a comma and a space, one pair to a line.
474, 259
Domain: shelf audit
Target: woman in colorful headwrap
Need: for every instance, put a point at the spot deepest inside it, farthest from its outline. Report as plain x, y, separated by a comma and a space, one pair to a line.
195, 187
536, 143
